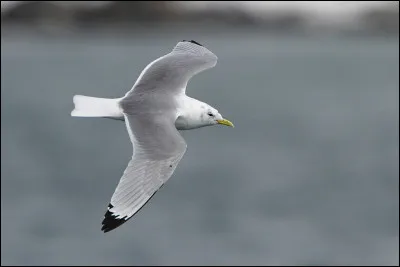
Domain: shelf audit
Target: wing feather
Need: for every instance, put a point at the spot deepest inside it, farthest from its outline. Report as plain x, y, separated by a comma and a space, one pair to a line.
150, 112
172, 71
152, 164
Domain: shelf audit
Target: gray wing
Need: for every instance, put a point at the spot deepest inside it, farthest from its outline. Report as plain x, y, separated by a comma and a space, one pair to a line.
173, 71
158, 148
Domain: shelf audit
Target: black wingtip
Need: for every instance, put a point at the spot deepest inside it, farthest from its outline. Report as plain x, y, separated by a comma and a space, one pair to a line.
193, 42
110, 221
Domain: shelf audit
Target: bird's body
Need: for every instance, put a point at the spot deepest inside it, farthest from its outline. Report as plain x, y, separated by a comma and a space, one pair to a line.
154, 110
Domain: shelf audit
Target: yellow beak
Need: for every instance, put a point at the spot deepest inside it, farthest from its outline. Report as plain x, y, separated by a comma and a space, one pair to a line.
225, 122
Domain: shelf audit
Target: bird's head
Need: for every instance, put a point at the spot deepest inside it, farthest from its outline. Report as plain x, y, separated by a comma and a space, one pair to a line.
199, 115
211, 116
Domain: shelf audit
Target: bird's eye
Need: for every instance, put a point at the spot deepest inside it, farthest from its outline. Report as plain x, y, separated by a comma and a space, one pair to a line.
210, 114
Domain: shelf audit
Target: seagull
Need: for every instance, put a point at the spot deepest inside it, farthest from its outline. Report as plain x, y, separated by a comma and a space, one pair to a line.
154, 111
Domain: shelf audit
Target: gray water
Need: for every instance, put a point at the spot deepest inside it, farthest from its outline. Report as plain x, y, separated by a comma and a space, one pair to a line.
309, 174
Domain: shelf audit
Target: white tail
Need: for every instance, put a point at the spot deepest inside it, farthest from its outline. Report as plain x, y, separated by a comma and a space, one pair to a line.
87, 106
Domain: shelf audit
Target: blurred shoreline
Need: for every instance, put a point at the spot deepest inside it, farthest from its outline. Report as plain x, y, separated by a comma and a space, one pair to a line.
61, 17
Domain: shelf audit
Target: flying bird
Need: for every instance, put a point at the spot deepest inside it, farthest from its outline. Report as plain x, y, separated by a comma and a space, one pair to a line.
154, 111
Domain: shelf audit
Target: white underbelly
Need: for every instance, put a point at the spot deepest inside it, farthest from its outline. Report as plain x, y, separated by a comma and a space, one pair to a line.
183, 124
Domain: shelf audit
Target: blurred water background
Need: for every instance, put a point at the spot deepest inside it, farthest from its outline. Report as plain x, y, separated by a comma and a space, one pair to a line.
308, 176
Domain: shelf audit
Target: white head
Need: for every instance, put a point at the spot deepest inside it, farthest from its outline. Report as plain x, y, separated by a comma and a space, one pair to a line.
211, 116
201, 115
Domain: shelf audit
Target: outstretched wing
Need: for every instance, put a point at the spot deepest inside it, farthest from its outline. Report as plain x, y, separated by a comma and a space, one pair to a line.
173, 71
158, 148
150, 115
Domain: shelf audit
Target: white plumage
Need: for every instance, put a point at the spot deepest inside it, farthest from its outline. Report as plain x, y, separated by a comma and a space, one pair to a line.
154, 110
